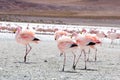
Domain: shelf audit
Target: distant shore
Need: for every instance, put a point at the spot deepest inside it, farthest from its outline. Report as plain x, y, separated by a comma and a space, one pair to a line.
55, 20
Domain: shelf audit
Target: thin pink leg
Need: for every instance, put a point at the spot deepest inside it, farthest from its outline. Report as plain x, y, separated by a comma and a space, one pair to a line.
96, 54
85, 59
88, 55
64, 62
27, 51
74, 59
74, 66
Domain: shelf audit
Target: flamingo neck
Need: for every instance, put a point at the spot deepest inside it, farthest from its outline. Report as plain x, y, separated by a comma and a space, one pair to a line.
18, 31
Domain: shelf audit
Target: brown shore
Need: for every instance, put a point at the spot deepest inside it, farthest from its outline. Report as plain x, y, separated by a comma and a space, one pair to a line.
78, 12
107, 22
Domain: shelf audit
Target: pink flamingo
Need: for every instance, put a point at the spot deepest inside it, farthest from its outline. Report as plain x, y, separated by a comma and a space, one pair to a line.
65, 44
86, 41
26, 37
93, 31
84, 31
96, 40
60, 33
101, 34
113, 35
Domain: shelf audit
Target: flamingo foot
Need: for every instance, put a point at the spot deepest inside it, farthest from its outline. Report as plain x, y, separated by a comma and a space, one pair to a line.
63, 69
74, 66
24, 59
61, 54
88, 59
95, 59
85, 68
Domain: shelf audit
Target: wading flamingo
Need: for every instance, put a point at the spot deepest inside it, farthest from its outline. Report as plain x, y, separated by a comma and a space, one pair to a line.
65, 44
26, 37
101, 35
113, 36
60, 33
84, 42
96, 40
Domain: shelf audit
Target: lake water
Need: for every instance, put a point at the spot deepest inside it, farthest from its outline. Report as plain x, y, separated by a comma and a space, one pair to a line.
10, 36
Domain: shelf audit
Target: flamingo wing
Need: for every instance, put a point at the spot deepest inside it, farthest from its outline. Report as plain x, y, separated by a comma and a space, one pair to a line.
27, 35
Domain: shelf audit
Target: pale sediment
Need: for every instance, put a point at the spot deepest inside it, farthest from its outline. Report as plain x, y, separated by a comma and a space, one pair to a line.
44, 63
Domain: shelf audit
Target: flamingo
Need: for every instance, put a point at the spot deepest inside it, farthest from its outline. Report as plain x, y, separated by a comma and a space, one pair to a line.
84, 31
113, 35
60, 33
26, 37
96, 40
101, 35
65, 44
84, 42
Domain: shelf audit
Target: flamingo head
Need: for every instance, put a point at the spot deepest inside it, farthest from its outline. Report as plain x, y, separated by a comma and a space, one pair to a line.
18, 30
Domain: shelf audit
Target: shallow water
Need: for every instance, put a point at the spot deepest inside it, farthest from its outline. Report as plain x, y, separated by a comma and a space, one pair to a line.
12, 67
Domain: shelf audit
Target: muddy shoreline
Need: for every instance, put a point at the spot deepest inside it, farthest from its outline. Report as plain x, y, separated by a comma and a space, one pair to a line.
71, 21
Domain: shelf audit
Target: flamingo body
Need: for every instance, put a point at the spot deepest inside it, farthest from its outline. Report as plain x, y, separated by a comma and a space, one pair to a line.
86, 41
26, 37
59, 34
66, 44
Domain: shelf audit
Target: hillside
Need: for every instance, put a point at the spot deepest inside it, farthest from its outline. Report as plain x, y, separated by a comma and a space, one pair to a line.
61, 8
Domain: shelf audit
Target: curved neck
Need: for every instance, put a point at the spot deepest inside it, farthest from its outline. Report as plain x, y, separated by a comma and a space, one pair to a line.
18, 31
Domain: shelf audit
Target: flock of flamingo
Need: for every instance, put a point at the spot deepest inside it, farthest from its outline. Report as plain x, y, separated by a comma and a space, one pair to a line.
68, 41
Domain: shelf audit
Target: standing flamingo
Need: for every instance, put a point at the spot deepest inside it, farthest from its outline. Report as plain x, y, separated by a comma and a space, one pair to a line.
60, 33
26, 37
84, 31
85, 41
101, 35
96, 40
65, 44
112, 35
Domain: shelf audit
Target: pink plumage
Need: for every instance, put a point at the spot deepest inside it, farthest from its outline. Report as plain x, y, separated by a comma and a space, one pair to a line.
86, 41
25, 37
66, 44
60, 33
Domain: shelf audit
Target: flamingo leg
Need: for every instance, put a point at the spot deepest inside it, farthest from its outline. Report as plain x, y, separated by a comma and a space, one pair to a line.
64, 62
96, 54
111, 44
88, 55
27, 51
74, 66
74, 60
85, 59
61, 54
